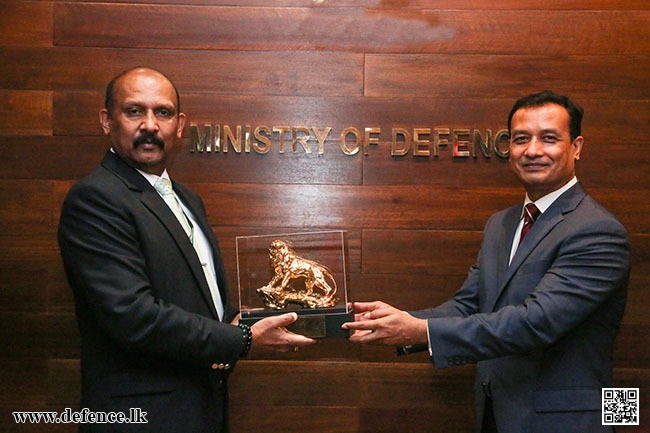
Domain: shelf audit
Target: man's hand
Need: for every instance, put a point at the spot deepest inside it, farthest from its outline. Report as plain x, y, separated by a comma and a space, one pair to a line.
268, 335
380, 323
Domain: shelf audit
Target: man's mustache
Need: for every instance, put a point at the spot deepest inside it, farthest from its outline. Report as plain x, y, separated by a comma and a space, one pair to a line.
148, 137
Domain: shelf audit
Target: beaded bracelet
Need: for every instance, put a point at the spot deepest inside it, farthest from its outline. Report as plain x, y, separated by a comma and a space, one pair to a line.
248, 339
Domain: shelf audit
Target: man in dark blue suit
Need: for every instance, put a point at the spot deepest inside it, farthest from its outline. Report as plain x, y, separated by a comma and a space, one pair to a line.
541, 307
157, 331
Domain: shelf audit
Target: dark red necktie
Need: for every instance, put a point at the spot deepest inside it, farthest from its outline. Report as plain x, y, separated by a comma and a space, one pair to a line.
531, 213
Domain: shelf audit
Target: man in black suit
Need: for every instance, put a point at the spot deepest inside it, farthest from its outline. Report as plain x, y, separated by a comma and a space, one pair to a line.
541, 307
157, 331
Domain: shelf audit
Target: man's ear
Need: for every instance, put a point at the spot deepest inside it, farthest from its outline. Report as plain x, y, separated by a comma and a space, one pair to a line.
181, 125
105, 120
577, 146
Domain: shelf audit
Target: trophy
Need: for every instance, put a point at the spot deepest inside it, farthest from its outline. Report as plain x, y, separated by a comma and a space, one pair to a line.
295, 272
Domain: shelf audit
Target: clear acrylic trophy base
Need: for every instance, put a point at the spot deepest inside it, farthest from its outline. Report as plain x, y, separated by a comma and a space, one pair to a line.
303, 273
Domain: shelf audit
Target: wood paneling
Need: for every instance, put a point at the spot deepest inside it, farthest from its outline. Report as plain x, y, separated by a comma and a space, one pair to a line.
29, 267
593, 169
331, 206
25, 202
422, 252
294, 419
63, 380
348, 29
418, 4
25, 23
25, 112
381, 207
501, 76
228, 72
413, 223
29, 157
23, 381
39, 335
630, 347
606, 122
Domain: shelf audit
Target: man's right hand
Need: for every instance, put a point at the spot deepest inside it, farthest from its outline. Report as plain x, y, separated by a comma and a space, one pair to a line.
268, 335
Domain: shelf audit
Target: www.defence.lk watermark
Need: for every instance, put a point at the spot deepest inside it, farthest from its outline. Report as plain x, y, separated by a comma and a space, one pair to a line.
84, 416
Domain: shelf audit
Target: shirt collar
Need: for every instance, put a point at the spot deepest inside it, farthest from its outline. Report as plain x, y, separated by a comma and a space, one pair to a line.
151, 178
545, 202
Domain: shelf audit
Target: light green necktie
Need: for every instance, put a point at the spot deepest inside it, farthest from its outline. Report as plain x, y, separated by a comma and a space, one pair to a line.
164, 188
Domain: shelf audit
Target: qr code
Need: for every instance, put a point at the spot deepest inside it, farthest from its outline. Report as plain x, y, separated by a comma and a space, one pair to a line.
620, 406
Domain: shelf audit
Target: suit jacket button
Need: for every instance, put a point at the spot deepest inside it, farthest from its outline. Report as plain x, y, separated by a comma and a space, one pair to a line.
227, 366
215, 366
221, 366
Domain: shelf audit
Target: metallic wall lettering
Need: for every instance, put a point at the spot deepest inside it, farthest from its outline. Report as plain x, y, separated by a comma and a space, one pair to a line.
262, 139
321, 137
368, 140
229, 137
420, 145
498, 139
247, 139
461, 147
281, 130
343, 142
424, 142
438, 140
302, 140
484, 145
406, 143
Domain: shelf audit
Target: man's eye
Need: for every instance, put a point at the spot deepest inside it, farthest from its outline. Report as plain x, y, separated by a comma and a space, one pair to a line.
549, 138
519, 139
133, 111
164, 112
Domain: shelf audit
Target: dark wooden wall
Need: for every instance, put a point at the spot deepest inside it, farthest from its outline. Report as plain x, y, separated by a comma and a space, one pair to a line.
413, 223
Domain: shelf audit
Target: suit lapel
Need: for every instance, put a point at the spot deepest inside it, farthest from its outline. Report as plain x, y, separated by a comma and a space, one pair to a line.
567, 202
506, 236
152, 201
204, 225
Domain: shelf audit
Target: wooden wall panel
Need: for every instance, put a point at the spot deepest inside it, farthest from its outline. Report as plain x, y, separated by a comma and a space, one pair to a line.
229, 72
25, 202
30, 157
421, 252
418, 4
348, 29
26, 23
28, 265
503, 76
25, 112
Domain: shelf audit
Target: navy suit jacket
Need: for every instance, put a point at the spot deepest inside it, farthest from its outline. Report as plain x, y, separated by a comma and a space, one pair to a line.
150, 335
542, 328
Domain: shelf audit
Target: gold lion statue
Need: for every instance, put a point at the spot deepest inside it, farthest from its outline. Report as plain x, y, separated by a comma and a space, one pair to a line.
288, 266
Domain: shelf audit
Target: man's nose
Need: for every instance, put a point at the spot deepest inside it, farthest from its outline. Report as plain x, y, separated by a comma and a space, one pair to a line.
149, 122
534, 148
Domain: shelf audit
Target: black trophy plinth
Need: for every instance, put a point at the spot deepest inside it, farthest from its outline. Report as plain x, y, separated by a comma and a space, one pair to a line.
315, 323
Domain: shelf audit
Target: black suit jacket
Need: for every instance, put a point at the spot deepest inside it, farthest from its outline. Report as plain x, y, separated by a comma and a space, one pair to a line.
542, 328
150, 335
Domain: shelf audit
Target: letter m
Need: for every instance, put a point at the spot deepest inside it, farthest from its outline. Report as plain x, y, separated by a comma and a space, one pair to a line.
202, 141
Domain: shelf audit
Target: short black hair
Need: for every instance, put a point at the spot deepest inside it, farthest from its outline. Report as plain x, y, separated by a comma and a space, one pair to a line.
110, 88
548, 97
